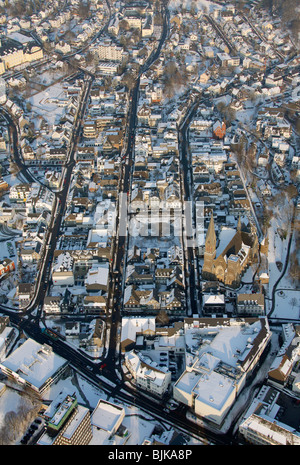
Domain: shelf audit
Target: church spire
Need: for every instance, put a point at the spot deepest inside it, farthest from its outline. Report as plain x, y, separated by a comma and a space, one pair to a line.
210, 241
239, 225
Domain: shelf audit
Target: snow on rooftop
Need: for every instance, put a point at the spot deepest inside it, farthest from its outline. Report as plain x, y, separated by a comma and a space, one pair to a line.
232, 341
188, 381
98, 275
225, 236
132, 326
107, 415
34, 362
214, 389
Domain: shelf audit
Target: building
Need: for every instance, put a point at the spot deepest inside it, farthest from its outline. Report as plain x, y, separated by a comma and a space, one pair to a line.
52, 304
280, 371
97, 278
228, 261
34, 366
213, 304
62, 271
7, 335
15, 51
108, 51
133, 328
68, 423
2, 91
107, 417
250, 304
219, 129
221, 353
6, 266
261, 431
147, 374
271, 419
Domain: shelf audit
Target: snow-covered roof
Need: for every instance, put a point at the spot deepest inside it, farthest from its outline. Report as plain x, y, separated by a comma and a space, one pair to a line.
106, 416
217, 352
132, 326
34, 363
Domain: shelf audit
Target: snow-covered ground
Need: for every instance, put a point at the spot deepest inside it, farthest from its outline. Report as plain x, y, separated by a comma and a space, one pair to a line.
287, 296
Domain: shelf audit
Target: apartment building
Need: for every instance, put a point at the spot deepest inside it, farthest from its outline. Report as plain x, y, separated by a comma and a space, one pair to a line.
250, 304
108, 51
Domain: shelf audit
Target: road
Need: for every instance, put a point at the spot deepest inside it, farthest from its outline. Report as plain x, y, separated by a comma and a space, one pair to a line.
120, 244
189, 217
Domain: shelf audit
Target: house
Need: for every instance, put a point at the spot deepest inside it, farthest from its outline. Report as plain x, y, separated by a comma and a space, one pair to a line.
6, 266
213, 304
24, 293
283, 364
250, 304
134, 328
62, 270
172, 301
97, 278
52, 304
95, 304
148, 376
219, 129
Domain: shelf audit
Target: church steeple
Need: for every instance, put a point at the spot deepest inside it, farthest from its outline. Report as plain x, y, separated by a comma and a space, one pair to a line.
209, 251
211, 241
239, 225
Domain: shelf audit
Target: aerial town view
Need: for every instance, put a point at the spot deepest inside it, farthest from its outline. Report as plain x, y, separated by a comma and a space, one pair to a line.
149, 225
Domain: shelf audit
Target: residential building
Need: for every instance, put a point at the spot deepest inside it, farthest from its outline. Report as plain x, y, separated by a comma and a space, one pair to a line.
133, 328
271, 419
147, 374
108, 51
52, 304
6, 266
250, 304
281, 369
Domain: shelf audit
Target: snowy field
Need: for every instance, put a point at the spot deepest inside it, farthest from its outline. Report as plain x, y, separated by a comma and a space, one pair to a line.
287, 297
42, 103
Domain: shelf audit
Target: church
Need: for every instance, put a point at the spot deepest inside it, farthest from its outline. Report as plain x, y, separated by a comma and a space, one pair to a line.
227, 260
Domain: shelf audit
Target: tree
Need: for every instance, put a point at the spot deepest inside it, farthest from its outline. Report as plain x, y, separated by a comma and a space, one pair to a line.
294, 269
128, 80
83, 9
293, 302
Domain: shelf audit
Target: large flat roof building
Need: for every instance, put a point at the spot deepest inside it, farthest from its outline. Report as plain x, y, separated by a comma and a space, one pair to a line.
34, 365
220, 354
